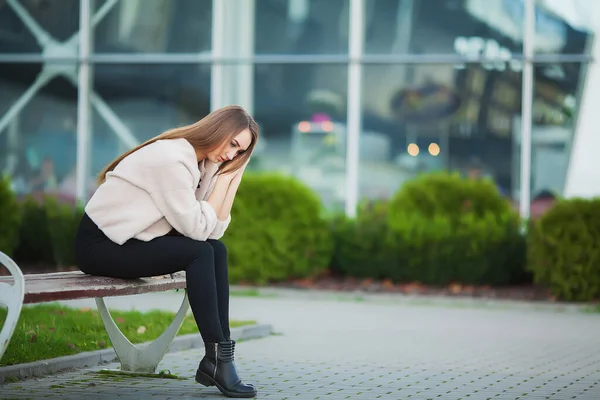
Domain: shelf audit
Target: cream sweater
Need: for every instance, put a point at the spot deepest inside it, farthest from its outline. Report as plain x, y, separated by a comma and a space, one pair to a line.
157, 188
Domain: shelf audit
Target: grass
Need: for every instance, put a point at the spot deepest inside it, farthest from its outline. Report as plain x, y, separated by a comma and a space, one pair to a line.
120, 375
50, 330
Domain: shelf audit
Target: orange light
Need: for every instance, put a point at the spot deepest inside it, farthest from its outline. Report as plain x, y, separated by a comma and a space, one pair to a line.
413, 149
327, 126
434, 149
304, 126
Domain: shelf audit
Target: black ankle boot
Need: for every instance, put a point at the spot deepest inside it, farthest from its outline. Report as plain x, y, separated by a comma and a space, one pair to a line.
217, 369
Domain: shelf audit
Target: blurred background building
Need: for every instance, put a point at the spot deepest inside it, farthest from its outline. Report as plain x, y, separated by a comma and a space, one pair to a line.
353, 97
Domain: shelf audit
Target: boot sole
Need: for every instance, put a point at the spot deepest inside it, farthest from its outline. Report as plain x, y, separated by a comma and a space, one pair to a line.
208, 381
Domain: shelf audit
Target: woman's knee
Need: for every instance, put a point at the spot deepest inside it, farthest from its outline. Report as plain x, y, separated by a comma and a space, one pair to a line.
202, 250
219, 247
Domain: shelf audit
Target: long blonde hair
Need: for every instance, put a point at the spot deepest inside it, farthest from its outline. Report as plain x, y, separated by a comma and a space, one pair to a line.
205, 135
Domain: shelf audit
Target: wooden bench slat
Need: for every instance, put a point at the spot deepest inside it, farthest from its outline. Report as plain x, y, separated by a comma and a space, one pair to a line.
77, 285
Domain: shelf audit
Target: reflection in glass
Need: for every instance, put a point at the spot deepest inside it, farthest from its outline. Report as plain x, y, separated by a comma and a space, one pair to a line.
301, 110
424, 118
143, 101
556, 99
469, 28
20, 20
37, 140
301, 26
155, 26
476, 28
565, 27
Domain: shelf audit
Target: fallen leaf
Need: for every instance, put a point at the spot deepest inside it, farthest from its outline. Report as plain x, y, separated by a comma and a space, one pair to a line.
52, 329
33, 338
469, 289
59, 312
102, 344
305, 283
455, 288
141, 330
31, 332
85, 309
120, 320
71, 345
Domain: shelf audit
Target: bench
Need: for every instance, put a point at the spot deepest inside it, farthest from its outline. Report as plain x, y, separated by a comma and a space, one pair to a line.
38, 288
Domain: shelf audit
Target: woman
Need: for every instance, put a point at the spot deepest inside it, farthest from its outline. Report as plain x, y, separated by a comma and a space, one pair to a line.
161, 208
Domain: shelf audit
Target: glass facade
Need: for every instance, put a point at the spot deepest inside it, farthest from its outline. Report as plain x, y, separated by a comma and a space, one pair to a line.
353, 97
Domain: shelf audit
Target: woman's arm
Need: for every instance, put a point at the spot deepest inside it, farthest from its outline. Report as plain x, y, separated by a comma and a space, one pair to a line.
235, 178
219, 194
225, 210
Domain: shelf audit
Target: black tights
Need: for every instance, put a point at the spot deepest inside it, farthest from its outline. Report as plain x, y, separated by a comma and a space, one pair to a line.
205, 264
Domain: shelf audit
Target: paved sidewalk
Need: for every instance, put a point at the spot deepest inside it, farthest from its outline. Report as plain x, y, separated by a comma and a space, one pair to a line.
367, 350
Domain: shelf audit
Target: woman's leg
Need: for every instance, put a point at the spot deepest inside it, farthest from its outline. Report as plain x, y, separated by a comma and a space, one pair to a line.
222, 281
98, 255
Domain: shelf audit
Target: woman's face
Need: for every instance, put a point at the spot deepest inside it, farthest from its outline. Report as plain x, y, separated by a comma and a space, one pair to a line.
231, 148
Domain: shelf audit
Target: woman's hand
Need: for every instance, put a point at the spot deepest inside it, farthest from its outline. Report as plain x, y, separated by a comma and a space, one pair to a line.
240, 172
227, 177
232, 186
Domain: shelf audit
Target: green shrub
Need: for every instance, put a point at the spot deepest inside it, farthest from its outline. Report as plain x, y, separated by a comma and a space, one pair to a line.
450, 195
47, 233
63, 222
438, 250
34, 246
10, 218
563, 252
453, 229
364, 247
277, 231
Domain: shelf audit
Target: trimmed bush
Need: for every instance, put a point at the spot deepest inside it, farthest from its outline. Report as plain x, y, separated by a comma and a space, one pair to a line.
563, 249
364, 247
277, 231
63, 222
453, 229
10, 218
47, 233
438, 250
35, 247
450, 195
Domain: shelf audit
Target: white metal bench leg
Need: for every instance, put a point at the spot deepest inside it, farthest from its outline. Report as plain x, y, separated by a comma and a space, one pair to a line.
12, 296
135, 358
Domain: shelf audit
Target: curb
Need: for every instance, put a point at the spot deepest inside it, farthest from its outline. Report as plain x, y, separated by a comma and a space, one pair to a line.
404, 299
99, 357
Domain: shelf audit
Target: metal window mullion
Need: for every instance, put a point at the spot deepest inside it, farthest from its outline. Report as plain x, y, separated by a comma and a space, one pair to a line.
354, 109
244, 91
526, 109
83, 101
218, 44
